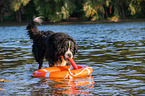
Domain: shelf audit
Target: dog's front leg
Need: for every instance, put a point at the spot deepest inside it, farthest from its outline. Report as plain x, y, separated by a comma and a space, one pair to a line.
40, 63
51, 63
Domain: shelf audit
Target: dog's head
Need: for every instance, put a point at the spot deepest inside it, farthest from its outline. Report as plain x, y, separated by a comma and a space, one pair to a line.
61, 45
69, 48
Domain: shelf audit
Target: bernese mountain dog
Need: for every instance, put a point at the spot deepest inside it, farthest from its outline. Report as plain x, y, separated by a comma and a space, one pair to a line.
56, 48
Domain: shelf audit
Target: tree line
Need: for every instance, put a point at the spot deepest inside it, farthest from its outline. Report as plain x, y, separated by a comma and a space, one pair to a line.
64, 10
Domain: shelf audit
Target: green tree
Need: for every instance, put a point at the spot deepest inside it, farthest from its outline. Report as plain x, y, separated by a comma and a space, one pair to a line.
55, 10
119, 9
29, 11
4, 7
94, 9
113, 9
136, 8
16, 6
58, 10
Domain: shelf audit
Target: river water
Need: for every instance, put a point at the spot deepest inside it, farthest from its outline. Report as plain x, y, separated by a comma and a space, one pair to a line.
115, 51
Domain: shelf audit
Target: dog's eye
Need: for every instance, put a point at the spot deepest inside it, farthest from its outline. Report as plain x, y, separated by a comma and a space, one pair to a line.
67, 46
71, 47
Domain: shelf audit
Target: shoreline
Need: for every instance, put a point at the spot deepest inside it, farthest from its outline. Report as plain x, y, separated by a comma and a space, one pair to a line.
24, 23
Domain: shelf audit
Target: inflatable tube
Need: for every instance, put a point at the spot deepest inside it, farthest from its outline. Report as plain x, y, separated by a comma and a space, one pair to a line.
64, 72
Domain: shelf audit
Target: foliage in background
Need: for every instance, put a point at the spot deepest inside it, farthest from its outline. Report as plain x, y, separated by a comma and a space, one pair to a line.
3, 8
55, 10
16, 4
94, 9
60, 10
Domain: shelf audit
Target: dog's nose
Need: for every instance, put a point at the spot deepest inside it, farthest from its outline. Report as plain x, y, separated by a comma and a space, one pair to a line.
69, 55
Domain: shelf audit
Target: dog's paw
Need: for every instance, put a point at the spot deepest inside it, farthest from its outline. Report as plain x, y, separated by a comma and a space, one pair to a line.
38, 20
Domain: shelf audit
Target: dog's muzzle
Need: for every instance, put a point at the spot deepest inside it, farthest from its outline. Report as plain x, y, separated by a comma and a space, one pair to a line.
68, 54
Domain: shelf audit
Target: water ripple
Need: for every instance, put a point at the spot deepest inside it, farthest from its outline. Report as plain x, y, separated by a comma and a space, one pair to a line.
116, 51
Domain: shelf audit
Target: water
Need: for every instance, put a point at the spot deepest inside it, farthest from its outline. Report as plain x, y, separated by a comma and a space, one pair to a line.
116, 51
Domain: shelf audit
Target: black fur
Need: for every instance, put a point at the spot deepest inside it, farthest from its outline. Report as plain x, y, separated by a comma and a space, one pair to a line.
49, 45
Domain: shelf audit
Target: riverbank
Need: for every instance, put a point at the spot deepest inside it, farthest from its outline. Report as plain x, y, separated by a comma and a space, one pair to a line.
23, 23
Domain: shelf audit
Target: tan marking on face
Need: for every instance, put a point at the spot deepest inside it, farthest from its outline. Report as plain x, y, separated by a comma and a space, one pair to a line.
61, 62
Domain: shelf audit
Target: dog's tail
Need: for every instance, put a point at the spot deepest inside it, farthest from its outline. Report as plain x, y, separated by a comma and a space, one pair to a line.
32, 27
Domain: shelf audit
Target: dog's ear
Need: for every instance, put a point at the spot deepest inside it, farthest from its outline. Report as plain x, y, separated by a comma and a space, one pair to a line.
59, 50
75, 46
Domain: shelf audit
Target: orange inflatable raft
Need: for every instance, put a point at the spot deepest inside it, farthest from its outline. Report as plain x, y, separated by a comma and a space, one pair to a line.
73, 71
64, 72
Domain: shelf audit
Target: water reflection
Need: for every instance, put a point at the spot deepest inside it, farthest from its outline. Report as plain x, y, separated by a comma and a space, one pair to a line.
116, 51
75, 86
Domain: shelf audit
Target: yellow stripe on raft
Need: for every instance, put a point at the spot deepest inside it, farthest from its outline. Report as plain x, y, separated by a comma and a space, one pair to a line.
63, 72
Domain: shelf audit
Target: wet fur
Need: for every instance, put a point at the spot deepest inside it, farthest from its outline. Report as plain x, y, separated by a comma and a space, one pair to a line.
49, 45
